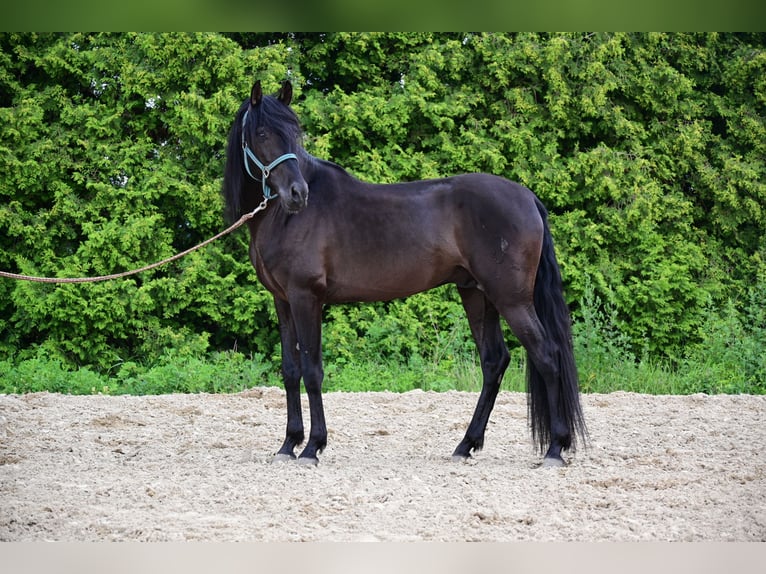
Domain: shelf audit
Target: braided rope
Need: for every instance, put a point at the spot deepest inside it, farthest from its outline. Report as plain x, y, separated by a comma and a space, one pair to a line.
226, 231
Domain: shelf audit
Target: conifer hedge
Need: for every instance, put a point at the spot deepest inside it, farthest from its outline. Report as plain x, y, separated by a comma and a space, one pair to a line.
648, 149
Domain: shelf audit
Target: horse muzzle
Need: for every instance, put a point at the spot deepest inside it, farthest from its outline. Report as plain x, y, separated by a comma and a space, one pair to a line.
296, 196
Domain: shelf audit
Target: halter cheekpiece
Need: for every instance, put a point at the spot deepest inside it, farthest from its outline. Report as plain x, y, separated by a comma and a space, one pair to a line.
265, 169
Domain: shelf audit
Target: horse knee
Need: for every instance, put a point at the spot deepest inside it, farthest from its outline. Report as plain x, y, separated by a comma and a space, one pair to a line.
291, 374
312, 379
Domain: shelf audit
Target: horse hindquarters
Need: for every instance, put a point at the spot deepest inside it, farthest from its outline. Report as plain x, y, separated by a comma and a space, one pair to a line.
510, 254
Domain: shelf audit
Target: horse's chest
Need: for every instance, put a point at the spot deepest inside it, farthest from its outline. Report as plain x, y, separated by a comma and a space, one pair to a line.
267, 269
280, 272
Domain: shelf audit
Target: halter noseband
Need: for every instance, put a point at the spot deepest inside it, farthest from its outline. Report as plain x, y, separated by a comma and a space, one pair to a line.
265, 169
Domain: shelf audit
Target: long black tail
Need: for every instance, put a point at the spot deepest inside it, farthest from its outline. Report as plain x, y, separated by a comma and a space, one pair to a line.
552, 310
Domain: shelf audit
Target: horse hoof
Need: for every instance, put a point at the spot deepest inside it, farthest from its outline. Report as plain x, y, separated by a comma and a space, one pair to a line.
460, 458
552, 462
308, 461
282, 457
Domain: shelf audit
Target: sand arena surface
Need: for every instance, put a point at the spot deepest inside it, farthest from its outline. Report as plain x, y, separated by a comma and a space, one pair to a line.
197, 467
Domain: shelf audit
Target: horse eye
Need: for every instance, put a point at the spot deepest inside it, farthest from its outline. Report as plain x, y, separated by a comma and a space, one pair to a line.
261, 134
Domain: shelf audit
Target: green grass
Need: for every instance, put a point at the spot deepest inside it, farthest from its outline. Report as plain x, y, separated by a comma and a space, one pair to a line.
728, 357
219, 373
602, 370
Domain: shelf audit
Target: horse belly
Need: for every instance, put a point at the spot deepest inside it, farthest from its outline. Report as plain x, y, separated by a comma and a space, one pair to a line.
389, 276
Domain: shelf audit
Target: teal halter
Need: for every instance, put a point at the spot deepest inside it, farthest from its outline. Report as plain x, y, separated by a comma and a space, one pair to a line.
265, 169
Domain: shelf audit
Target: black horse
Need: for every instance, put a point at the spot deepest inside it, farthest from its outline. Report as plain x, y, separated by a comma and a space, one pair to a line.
332, 238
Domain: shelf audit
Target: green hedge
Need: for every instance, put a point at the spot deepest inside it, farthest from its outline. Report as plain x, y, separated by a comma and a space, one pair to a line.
648, 149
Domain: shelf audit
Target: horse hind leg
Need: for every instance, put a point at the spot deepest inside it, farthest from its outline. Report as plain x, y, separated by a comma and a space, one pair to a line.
487, 333
547, 418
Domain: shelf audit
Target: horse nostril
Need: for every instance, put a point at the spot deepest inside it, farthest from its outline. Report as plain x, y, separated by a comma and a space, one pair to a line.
298, 194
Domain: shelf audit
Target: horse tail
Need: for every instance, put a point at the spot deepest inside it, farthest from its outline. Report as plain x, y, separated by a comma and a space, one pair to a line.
553, 313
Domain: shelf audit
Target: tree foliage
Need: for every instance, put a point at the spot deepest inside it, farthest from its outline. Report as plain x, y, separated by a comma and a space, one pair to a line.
648, 149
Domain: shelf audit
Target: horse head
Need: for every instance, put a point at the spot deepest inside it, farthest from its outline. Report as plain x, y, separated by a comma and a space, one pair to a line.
270, 138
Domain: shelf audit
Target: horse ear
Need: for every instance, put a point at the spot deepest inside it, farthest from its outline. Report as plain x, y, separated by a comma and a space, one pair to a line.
256, 94
286, 93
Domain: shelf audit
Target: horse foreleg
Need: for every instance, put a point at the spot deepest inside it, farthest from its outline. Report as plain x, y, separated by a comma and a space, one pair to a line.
307, 317
487, 333
291, 374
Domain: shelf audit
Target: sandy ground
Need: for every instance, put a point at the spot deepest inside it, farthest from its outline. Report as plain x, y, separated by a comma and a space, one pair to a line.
197, 467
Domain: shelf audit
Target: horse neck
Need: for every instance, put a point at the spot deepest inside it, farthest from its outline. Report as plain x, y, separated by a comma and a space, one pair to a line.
315, 167
309, 164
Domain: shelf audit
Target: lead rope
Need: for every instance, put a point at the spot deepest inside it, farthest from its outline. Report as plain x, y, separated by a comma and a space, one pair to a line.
226, 231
